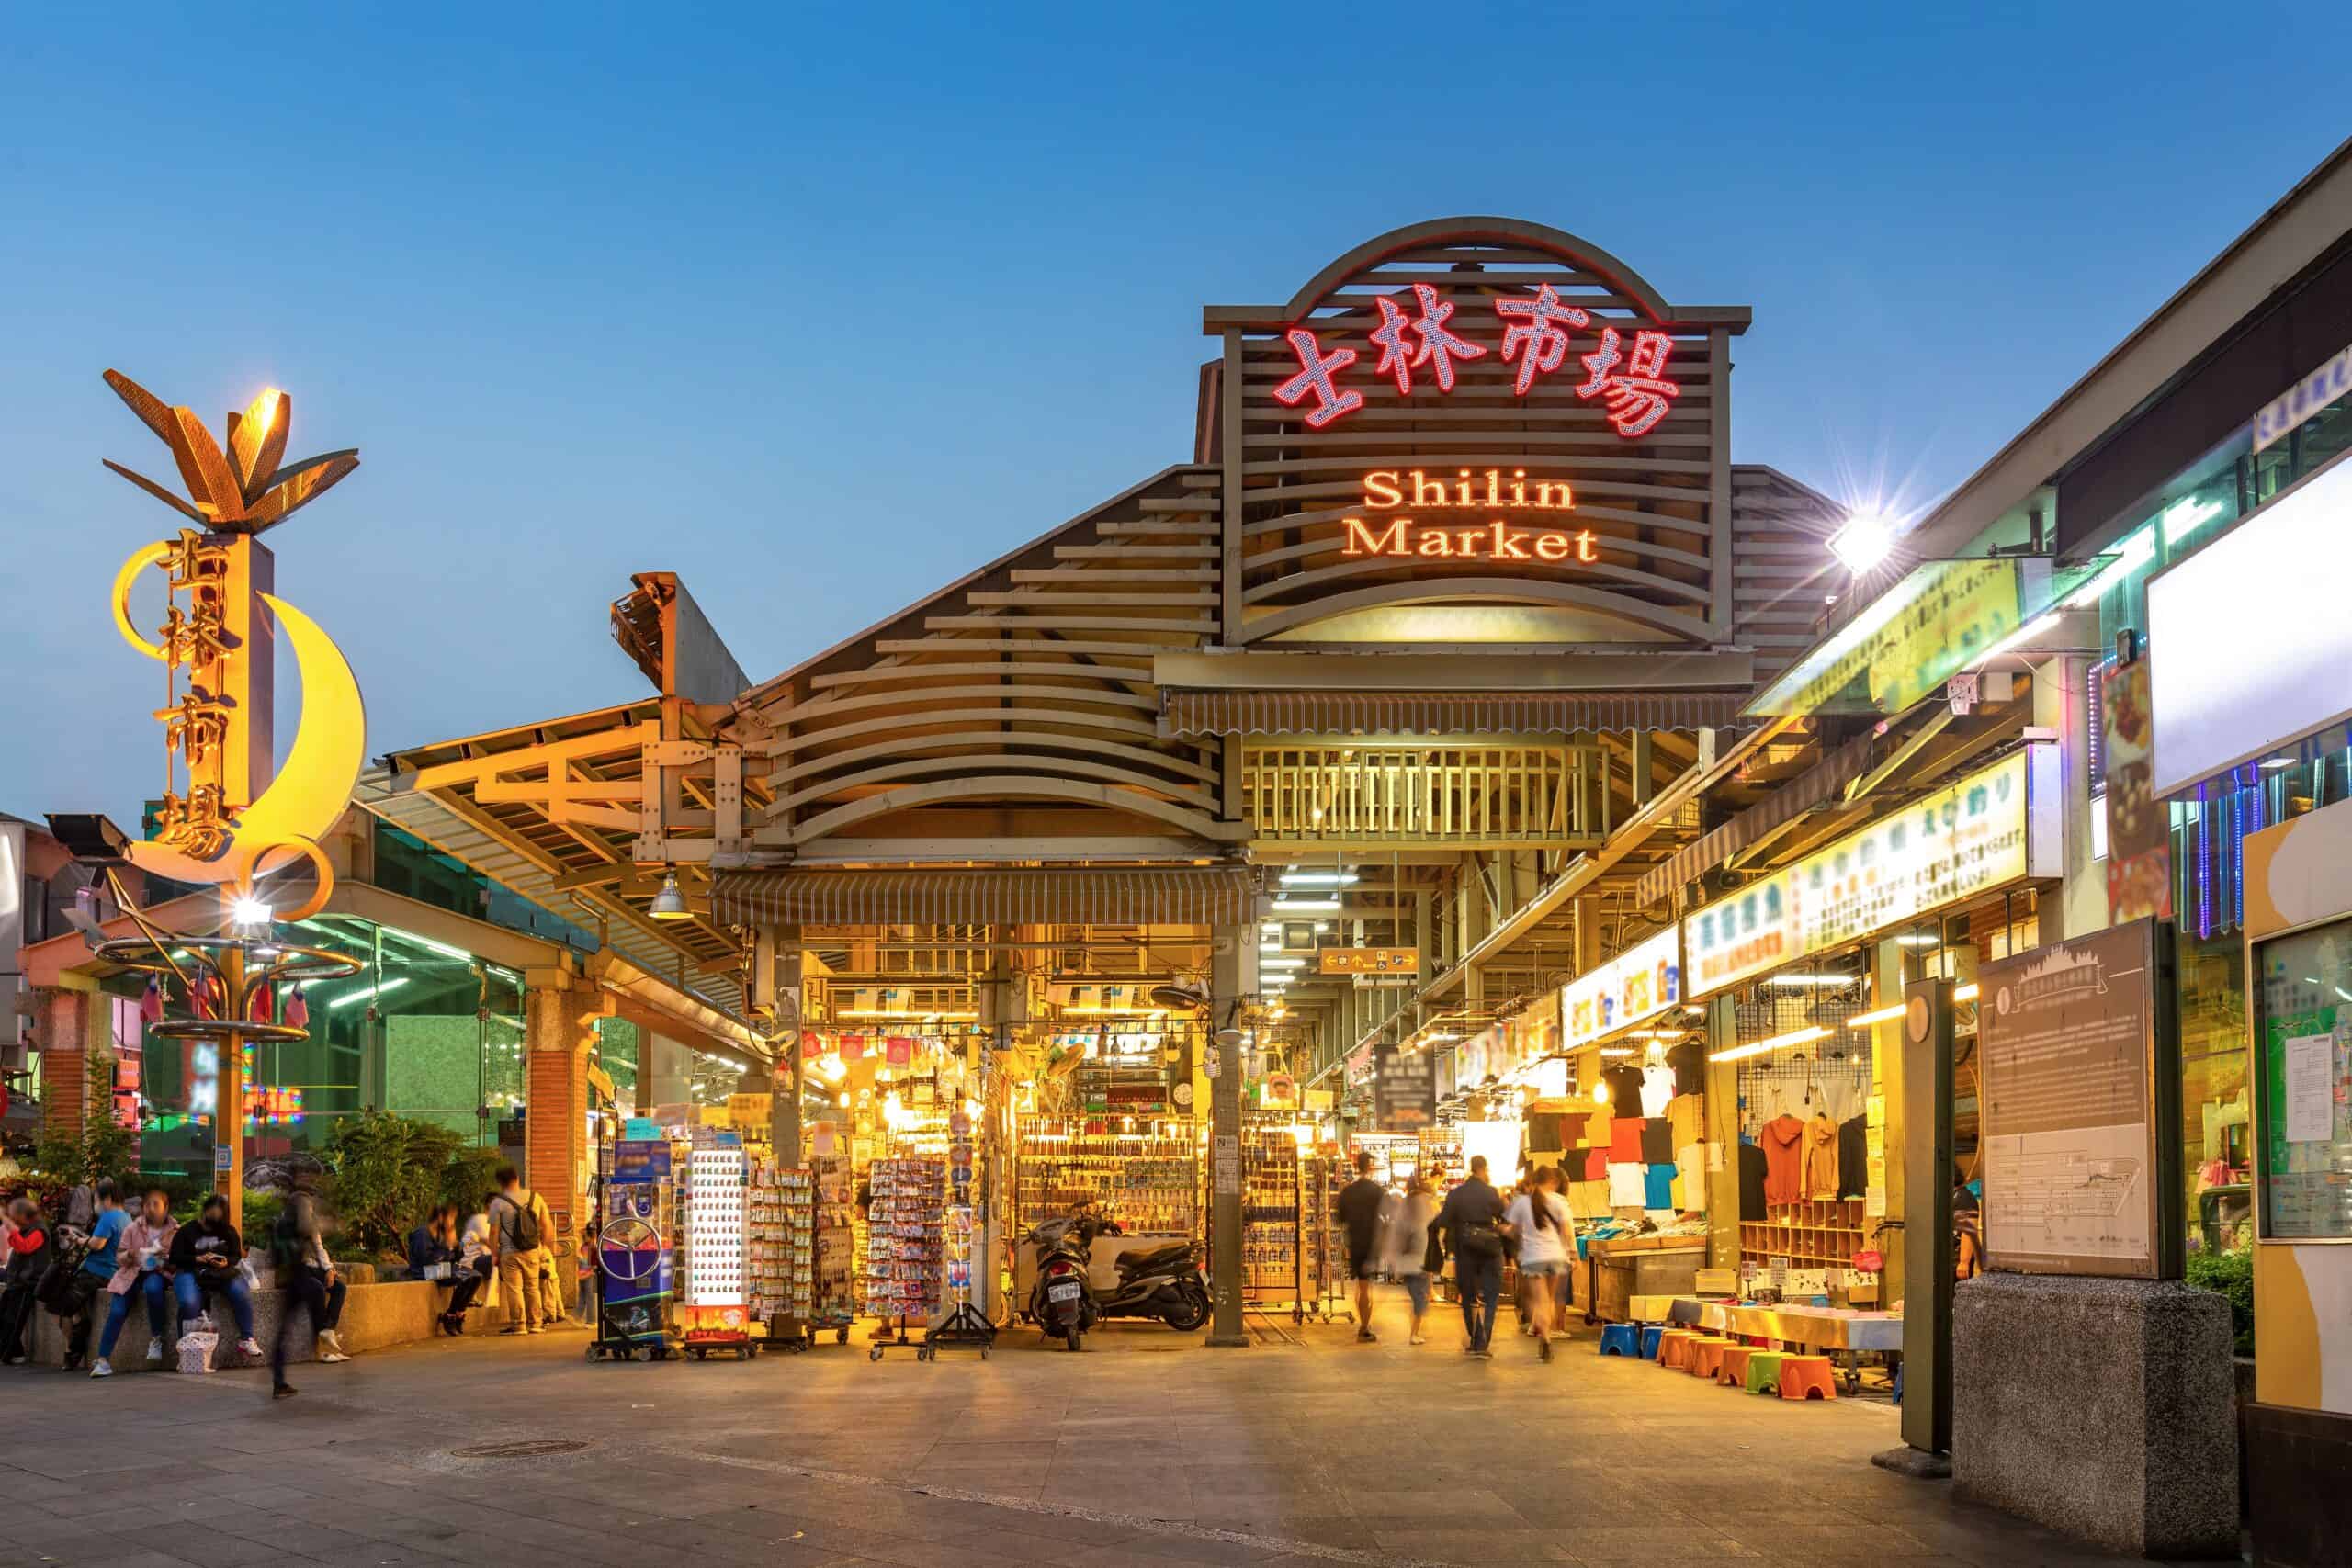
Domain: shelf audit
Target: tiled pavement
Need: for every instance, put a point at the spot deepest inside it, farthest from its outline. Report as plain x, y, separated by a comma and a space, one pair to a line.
1148, 1450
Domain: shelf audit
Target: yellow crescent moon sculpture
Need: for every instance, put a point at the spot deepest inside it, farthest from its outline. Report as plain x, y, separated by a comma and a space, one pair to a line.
307, 793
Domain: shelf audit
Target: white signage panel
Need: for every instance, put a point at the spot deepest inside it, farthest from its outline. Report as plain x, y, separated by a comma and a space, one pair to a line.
2248, 641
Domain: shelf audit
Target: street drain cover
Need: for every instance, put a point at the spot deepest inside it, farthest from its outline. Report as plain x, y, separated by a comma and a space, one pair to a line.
539, 1447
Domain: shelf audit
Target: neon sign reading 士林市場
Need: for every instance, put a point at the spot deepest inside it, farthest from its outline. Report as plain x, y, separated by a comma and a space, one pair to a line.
1632, 383
1495, 540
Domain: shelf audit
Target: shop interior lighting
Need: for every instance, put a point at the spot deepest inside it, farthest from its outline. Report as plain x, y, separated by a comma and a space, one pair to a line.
2185, 516
1308, 906
249, 912
1282, 964
1616, 1050
1886, 1014
2272, 764
1912, 940
1319, 879
367, 993
1866, 540
1777, 1042
2136, 552
1966, 993
1806, 979
1694, 1008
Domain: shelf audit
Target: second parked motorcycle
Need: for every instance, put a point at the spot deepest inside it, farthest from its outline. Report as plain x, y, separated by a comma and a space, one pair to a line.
1163, 1282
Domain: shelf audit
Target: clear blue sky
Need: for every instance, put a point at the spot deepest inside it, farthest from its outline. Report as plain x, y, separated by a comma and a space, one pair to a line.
821, 310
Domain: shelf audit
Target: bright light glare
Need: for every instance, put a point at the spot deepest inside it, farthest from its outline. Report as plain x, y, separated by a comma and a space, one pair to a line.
249, 911
1865, 541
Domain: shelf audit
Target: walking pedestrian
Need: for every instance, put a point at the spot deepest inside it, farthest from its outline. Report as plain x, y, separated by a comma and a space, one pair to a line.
1412, 1249
516, 1242
28, 1254
1540, 1219
308, 1276
204, 1257
1358, 1210
1472, 1220
142, 1269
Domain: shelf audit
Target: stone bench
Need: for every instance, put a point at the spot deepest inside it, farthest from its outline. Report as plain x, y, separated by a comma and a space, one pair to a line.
375, 1317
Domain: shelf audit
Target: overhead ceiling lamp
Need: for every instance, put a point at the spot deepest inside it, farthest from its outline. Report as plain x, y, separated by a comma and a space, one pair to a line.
1966, 993
1886, 1014
1308, 906
669, 903
1319, 879
1912, 939
1866, 540
2018, 639
1282, 964
1809, 978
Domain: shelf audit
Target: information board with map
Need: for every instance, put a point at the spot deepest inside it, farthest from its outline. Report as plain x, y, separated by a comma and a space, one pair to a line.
2067, 1034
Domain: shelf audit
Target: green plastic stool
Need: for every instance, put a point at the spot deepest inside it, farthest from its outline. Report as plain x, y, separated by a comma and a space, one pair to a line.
1764, 1372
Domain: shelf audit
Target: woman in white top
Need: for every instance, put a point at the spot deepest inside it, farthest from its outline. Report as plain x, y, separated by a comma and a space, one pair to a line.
1540, 1218
1409, 1245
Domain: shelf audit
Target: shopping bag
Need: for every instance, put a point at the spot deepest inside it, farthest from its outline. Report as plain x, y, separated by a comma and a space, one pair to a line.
195, 1349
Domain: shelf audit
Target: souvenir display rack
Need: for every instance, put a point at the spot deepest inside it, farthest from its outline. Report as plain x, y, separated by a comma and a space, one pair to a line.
717, 1298
902, 1237
1149, 1179
835, 1244
1326, 1176
1272, 1266
783, 1263
964, 1324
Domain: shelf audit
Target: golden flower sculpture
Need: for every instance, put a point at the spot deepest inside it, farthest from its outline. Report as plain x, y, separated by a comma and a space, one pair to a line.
246, 488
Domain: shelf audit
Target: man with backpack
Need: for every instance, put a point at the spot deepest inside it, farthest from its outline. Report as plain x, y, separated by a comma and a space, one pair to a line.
1472, 1223
518, 1238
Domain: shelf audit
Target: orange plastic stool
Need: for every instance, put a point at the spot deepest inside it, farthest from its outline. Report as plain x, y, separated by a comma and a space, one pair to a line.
1673, 1349
1732, 1370
1707, 1356
1807, 1377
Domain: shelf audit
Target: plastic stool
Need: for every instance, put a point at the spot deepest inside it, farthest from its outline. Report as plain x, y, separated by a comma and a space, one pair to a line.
1763, 1372
1650, 1333
1733, 1370
1673, 1349
1807, 1377
1621, 1339
1707, 1355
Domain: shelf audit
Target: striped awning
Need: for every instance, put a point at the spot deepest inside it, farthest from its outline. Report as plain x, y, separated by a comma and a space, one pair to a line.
1468, 713
1801, 793
1175, 895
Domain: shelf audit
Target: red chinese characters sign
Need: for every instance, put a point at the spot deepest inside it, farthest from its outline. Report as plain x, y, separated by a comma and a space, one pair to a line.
1421, 349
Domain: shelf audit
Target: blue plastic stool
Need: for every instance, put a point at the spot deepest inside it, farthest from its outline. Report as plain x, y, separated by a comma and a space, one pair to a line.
1651, 1333
1621, 1339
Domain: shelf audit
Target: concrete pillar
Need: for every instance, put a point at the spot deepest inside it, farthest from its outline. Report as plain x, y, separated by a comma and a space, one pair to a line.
560, 1029
1888, 1080
1233, 974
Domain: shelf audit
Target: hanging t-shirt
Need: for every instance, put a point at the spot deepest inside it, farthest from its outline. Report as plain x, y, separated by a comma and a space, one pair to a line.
1626, 1187
1782, 1139
1625, 1138
1688, 1061
1596, 1165
1657, 1187
1853, 1157
1657, 1088
1625, 1081
1687, 1115
1657, 1142
1820, 1179
1751, 1181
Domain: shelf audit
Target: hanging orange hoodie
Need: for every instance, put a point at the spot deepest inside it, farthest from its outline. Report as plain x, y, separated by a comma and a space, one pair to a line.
1779, 1139
1821, 1156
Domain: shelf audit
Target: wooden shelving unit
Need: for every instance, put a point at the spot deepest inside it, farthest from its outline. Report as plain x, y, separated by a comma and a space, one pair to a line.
1817, 1232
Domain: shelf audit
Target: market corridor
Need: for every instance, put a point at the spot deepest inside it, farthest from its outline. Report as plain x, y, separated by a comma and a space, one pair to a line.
1145, 1449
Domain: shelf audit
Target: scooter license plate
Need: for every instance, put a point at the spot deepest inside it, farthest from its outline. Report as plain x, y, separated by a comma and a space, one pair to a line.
1063, 1292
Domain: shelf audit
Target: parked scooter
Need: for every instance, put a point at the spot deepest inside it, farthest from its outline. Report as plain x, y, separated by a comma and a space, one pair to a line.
1162, 1282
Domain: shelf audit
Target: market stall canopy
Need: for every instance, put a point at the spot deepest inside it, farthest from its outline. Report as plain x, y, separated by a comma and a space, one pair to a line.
1199, 895
1407, 714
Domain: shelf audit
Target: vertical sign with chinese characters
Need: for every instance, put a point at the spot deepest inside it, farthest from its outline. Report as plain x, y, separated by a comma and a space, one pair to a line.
2139, 826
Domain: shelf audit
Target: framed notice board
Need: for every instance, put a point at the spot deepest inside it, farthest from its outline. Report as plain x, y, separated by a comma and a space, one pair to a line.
2076, 1044
2302, 998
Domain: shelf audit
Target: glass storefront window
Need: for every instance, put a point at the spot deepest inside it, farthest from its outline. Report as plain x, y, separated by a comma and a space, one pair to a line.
2303, 1043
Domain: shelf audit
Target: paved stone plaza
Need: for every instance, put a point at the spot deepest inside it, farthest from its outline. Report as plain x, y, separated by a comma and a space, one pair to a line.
1304, 1450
